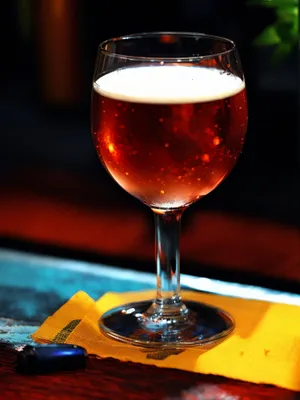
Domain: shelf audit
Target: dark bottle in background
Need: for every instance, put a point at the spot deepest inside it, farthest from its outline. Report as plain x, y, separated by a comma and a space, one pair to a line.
58, 52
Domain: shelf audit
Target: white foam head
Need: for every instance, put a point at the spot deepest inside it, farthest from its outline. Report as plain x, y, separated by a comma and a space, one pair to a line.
168, 84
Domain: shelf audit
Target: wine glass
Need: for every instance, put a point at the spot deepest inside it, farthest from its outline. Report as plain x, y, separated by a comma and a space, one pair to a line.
169, 117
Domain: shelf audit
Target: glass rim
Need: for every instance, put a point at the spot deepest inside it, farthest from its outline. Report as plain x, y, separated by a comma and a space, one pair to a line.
166, 59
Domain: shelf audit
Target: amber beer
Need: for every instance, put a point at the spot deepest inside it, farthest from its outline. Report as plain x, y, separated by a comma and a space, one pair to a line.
169, 134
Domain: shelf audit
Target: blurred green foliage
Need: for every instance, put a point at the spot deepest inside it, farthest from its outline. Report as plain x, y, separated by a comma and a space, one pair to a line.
284, 32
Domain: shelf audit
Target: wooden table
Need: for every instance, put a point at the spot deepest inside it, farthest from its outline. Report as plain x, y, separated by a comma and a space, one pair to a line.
35, 296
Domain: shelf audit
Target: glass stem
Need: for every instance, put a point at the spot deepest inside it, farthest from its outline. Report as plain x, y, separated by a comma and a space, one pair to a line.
167, 237
167, 313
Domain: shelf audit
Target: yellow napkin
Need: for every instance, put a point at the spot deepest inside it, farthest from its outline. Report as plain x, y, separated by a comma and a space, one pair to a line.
265, 347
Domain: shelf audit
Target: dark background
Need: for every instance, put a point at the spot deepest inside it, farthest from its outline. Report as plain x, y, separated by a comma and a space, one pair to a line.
48, 49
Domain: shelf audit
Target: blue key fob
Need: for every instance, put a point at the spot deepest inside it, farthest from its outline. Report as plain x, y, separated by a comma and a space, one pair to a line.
51, 358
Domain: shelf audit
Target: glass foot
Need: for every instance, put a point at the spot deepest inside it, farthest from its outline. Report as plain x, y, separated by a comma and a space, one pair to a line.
199, 324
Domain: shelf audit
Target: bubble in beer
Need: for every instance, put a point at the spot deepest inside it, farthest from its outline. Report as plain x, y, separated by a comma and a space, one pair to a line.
216, 141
